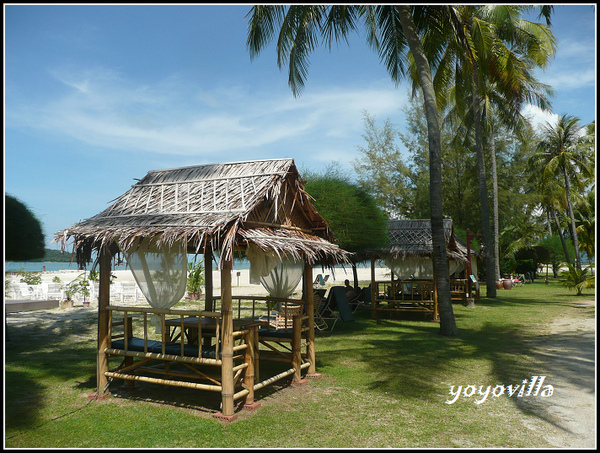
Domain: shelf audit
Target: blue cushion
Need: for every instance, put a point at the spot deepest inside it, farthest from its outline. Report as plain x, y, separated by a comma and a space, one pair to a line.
264, 332
189, 350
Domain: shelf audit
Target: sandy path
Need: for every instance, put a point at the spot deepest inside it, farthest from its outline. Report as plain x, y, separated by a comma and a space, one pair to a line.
568, 358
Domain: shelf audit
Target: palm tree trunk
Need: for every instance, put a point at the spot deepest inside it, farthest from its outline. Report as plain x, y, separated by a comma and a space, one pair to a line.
355, 274
490, 278
495, 204
440, 262
573, 227
562, 238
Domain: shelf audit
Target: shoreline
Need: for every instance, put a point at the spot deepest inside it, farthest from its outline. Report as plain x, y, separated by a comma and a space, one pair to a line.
240, 279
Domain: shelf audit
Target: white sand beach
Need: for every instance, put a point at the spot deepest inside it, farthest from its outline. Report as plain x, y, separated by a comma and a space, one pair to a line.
240, 279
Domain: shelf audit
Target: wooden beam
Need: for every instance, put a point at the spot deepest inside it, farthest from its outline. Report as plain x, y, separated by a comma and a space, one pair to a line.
103, 322
309, 309
227, 393
278, 225
250, 356
208, 278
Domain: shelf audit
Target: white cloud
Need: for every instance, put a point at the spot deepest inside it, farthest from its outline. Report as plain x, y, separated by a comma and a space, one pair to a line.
99, 108
571, 78
539, 117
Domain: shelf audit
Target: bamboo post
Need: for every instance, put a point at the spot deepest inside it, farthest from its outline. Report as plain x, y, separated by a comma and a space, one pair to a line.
436, 313
256, 356
249, 360
103, 322
296, 353
128, 334
309, 306
208, 278
374, 291
227, 340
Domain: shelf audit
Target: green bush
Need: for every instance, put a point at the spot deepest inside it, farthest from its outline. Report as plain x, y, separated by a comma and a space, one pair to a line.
31, 278
577, 279
195, 279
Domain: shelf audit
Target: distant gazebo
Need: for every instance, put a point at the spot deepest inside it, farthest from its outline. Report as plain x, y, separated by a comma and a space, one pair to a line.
259, 208
409, 257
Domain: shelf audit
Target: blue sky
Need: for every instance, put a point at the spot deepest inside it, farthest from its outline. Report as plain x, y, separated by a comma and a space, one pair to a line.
97, 95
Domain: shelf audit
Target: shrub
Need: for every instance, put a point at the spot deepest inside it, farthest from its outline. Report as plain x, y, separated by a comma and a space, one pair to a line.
577, 279
31, 278
195, 279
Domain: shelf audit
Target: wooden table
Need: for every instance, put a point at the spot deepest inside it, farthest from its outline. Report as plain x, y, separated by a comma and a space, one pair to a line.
207, 325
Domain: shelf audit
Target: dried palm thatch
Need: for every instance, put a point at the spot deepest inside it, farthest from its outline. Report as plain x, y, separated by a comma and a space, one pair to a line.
224, 206
413, 238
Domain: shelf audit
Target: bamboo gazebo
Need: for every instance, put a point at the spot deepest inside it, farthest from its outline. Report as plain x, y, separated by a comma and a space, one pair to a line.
256, 207
409, 256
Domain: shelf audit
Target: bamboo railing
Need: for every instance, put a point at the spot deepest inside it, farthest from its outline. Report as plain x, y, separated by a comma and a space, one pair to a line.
253, 310
146, 355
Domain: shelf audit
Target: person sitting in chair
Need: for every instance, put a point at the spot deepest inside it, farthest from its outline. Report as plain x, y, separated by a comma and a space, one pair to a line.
350, 291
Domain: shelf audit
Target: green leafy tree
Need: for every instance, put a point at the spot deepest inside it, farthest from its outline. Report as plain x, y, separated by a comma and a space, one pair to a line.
381, 169
23, 235
351, 212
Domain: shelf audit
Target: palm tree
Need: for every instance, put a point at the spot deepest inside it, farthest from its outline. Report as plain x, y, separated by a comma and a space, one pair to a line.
585, 219
488, 64
553, 202
562, 154
393, 31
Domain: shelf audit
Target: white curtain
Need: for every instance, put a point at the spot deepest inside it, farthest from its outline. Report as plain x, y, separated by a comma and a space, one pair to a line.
279, 277
261, 262
455, 267
420, 267
283, 278
411, 267
474, 266
160, 272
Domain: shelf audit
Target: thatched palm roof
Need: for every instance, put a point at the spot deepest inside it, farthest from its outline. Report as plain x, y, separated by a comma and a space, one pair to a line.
224, 205
413, 238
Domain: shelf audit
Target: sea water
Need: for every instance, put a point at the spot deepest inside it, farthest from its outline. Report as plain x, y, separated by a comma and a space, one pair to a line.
54, 266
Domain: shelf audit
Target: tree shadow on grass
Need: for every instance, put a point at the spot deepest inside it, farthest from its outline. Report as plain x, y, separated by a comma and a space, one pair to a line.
46, 347
22, 407
411, 360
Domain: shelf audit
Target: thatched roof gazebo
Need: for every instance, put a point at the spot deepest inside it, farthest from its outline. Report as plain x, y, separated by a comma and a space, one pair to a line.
409, 256
219, 206
409, 237
258, 207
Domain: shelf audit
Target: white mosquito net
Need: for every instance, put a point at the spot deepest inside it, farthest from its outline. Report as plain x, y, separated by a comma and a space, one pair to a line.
279, 276
411, 267
419, 267
160, 272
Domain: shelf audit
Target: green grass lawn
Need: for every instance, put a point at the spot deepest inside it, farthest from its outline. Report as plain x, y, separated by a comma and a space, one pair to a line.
383, 386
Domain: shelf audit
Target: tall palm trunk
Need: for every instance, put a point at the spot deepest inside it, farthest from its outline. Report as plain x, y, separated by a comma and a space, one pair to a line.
440, 262
495, 204
562, 238
490, 278
573, 227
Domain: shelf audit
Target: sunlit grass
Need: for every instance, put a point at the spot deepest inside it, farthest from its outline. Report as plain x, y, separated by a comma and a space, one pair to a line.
383, 385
